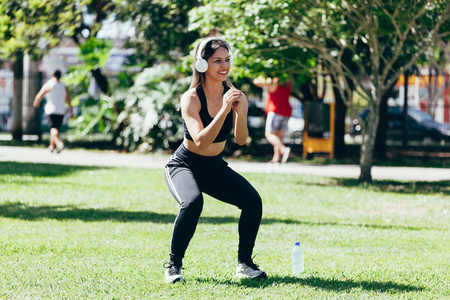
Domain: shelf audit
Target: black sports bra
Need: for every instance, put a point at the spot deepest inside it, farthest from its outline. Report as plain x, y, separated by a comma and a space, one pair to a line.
206, 118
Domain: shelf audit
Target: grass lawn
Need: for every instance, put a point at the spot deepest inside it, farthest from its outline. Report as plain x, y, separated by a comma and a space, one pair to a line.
70, 232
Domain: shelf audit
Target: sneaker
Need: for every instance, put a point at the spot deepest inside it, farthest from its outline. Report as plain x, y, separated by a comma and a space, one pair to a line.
59, 147
172, 273
286, 153
249, 270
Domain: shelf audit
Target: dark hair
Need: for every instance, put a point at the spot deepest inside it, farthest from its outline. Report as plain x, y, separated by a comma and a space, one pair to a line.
57, 74
212, 46
207, 51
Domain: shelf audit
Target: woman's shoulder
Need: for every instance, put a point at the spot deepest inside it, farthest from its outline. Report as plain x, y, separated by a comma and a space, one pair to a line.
190, 94
190, 97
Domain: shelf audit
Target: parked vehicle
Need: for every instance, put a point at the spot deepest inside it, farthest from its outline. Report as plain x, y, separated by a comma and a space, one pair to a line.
419, 125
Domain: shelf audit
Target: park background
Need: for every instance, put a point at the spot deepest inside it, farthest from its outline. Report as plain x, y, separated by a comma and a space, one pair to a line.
101, 231
127, 64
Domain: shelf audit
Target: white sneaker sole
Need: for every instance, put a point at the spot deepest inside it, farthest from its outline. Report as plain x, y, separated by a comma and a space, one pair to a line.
260, 276
178, 279
286, 153
243, 271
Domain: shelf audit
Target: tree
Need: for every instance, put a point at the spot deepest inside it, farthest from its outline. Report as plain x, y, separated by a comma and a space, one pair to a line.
93, 55
383, 39
30, 28
33, 27
151, 117
437, 59
255, 55
161, 28
160, 34
86, 31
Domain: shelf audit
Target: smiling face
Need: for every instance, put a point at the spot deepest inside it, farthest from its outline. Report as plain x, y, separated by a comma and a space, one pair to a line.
217, 53
219, 64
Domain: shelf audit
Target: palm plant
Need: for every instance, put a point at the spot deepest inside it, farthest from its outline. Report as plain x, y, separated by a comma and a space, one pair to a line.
150, 117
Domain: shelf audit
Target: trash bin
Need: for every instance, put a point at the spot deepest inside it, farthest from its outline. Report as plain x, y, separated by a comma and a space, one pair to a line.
318, 136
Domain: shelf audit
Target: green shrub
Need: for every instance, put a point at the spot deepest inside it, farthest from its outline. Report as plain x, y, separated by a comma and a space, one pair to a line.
150, 118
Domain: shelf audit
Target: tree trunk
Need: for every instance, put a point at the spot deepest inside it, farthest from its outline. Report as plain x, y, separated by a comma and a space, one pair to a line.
31, 85
16, 129
339, 125
101, 80
368, 143
380, 141
309, 91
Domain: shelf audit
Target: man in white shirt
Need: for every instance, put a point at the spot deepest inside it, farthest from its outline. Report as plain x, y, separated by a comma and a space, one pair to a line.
56, 92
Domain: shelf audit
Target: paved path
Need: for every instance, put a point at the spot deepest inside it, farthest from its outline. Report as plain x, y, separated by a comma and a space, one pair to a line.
113, 159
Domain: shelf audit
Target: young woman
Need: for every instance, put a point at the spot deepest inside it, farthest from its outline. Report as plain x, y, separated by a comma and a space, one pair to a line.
210, 109
278, 111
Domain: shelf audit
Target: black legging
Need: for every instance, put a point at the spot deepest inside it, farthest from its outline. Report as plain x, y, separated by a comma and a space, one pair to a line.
188, 175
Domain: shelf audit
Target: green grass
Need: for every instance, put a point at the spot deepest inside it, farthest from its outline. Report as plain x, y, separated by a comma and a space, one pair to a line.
70, 232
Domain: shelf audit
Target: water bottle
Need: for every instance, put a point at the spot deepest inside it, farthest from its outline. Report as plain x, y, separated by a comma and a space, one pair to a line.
297, 259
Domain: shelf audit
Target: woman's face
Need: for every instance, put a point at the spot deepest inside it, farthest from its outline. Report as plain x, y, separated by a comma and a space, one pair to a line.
219, 64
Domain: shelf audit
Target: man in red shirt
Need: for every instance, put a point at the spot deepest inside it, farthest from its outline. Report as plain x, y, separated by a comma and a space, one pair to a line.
278, 112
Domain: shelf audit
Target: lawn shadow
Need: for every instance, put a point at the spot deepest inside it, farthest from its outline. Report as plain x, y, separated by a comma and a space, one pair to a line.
22, 211
394, 186
325, 223
40, 169
334, 285
26, 212
18, 210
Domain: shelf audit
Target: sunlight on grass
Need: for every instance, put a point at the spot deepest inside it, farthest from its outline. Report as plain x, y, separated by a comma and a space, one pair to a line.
103, 233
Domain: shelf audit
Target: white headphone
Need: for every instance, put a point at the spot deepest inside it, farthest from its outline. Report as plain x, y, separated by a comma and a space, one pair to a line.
201, 65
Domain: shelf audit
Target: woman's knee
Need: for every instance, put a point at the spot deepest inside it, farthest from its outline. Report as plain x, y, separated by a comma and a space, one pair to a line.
253, 201
193, 204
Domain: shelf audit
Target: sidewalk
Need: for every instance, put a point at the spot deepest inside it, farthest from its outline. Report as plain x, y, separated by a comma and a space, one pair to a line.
113, 159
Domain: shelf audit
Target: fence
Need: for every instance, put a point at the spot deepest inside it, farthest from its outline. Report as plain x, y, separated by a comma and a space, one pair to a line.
33, 122
6, 94
19, 114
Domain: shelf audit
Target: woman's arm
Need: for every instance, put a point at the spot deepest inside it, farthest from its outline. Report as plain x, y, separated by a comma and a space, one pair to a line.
269, 83
240, 108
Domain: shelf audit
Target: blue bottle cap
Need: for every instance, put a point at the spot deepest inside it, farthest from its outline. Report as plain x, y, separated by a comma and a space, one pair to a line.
297, 243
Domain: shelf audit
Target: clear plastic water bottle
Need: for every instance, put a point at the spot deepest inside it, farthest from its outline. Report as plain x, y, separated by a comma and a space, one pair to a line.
297, 259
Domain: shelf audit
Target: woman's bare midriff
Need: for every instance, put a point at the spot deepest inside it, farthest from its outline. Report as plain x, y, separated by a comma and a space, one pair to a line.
213, 150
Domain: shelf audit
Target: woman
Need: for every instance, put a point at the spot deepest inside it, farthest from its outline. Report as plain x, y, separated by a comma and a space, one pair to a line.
278, 111
210, 109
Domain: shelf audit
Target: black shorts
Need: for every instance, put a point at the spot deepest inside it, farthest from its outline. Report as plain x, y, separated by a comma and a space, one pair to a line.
55, 121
